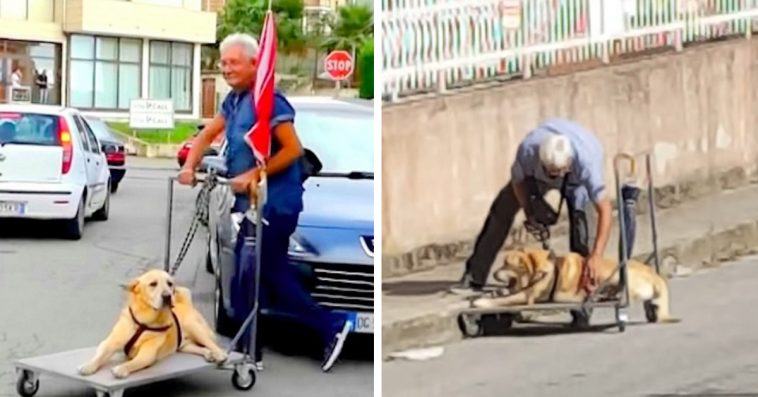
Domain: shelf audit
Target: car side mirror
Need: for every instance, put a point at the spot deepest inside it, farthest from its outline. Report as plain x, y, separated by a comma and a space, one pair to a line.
311, 164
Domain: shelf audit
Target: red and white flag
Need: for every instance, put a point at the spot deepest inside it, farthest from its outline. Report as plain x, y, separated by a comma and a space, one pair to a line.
259, 136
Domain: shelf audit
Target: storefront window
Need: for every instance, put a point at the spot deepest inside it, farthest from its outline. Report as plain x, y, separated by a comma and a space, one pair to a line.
171, 73
105, 72
37, 67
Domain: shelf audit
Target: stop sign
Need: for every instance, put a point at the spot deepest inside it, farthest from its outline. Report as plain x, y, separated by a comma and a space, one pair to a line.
339, 65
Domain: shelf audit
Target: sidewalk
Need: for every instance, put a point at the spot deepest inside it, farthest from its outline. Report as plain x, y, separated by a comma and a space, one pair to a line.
418, 312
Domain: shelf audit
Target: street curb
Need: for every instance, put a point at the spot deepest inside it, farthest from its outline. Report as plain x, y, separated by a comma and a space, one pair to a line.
707, 251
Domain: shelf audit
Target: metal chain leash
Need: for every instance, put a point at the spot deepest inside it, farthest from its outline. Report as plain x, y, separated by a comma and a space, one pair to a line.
201, 217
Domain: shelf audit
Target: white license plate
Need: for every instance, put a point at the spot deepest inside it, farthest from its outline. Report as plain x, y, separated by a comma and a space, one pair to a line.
12, 208
363, 323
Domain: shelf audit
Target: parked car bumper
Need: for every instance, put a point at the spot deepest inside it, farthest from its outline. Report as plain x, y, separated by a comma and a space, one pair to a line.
39, 200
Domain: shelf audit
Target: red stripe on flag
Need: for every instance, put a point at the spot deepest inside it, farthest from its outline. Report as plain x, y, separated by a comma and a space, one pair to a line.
259, 136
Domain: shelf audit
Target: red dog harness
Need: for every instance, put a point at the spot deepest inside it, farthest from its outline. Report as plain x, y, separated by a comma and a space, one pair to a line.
142, 328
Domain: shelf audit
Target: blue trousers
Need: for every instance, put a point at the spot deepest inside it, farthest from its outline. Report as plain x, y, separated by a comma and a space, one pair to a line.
281, 289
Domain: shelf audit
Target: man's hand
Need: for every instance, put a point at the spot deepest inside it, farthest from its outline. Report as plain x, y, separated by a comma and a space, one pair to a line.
186, 177
593, 264
243, 183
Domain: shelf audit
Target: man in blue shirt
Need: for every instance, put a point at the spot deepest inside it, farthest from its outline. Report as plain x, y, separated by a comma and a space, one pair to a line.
558, 154
279, 280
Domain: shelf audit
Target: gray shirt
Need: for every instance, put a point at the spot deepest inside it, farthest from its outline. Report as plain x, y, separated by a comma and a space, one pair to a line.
585, 180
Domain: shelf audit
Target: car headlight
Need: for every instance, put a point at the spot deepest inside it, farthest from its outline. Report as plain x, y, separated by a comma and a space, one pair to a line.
298, 247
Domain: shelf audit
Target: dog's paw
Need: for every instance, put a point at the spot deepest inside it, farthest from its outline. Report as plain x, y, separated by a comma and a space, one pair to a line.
120, 371
484, 303
87, 369
218, 356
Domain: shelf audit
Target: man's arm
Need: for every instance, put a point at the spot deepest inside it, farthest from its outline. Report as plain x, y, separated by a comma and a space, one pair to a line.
290, 151
604, 210
202, 141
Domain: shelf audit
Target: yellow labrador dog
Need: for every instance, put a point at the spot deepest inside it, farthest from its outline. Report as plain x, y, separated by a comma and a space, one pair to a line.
534, 276
158, 320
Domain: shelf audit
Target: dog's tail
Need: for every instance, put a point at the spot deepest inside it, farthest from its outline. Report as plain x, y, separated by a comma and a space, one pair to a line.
661, 301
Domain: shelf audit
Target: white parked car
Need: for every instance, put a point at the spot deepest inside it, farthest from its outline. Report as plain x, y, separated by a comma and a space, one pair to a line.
51, 167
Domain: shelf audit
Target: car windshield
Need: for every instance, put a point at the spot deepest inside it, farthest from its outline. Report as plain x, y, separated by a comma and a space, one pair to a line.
100, 129
28, 129
342, 140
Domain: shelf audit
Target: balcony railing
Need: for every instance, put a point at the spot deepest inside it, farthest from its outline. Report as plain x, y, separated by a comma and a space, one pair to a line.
436, 45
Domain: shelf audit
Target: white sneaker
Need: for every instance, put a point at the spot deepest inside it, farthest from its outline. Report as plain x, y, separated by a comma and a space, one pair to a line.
334, 348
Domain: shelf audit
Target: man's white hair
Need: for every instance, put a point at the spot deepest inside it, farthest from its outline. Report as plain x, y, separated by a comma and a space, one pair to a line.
248, 43
556, 152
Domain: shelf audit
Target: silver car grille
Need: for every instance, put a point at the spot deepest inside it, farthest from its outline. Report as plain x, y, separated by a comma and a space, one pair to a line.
345, 287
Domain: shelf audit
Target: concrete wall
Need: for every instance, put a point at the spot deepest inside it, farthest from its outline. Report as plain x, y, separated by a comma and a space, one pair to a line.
444, 158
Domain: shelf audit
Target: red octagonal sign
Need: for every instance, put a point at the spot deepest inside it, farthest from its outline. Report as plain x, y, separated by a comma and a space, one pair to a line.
339, 65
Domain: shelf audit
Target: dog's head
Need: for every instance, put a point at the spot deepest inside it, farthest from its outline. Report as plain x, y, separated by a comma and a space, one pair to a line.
521, 267
154, 288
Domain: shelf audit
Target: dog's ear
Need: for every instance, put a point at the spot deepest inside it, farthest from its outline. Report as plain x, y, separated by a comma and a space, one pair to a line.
535, 258
131, 286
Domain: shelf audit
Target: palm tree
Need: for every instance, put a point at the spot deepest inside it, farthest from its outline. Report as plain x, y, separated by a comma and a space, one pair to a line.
353, 26
246, 16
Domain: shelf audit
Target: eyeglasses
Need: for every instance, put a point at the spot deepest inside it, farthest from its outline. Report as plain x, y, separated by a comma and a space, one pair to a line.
228, 64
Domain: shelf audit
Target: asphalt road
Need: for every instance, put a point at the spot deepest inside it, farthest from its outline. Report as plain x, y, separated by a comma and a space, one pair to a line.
58, 295
711, 352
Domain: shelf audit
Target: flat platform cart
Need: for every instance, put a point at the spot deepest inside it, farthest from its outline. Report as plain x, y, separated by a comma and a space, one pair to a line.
473, 321
65, 364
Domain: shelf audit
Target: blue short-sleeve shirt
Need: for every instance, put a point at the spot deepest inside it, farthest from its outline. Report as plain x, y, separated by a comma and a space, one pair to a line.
586, 181
285, 189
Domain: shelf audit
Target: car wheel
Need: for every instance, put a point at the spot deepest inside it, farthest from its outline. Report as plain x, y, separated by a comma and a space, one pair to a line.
75, 226
102, 213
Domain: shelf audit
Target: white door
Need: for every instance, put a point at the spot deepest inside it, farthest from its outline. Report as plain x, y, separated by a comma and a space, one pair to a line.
94, 163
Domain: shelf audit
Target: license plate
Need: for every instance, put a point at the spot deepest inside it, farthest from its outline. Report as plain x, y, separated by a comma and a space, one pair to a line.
363, 323
12, 208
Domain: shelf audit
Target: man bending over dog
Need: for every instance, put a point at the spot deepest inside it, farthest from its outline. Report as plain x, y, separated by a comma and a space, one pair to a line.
558, 154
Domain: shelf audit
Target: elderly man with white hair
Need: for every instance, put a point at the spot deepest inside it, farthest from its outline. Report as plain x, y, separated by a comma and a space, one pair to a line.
558, 154
280, 284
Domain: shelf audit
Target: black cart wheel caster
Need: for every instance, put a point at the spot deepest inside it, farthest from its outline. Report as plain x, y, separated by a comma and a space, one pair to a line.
470, 325
27, 384
243, 378
651, 311
581, 318
494, 324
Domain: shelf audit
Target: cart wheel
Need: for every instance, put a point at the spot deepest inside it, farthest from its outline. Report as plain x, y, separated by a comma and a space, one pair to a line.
621, 319
581, 318
242, 380
493, 324
470, 325
27, 385
651, 311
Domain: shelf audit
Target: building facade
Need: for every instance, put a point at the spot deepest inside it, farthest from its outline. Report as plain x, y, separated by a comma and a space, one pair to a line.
98, 55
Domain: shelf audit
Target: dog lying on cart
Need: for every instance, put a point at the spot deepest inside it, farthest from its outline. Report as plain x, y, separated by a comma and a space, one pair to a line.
537, 280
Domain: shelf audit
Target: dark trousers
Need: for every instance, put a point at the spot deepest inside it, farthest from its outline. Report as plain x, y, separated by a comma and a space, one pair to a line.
281, 288
500, 220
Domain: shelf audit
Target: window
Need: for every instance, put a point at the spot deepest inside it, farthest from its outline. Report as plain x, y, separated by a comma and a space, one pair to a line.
32, 10
105, 72
171, 73
94, 146
82, 134
33, 59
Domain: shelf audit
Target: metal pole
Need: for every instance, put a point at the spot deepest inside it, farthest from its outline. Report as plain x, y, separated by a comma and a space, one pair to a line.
622, 234
260, 202
651, 203
167, 258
